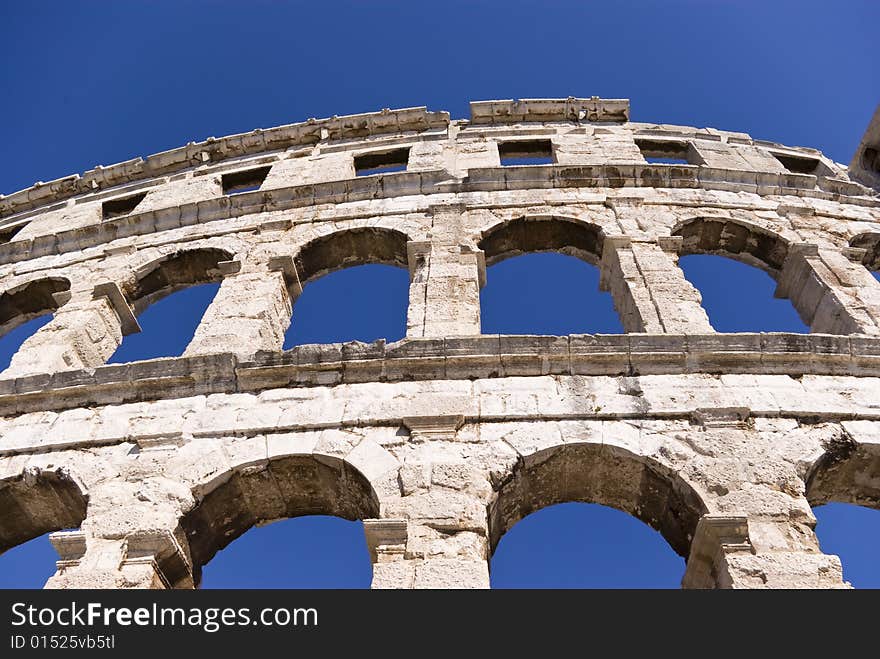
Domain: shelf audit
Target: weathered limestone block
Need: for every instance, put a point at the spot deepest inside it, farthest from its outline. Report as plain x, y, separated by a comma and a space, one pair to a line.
832, 294
728, 552
183, 191
409, 554
250, 312
740, 156
442, 441
302, 168
596, 146
651, 293
71, 216
444, 291
147, 559
430, 155
475, 153
129, 539
83, 333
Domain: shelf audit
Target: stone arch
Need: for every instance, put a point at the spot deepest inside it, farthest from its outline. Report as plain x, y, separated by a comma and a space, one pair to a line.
283, 487
8, 232
737, 239
173, 272
542, 233
603, 474
37, 501
28, 300
350, 247
848, 471
869, 241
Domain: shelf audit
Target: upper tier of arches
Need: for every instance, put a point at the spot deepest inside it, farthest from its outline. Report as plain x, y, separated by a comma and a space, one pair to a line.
839, 297
303, 164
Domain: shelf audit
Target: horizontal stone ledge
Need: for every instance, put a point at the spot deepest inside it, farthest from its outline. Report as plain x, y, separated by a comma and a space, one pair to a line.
587, 110
685, 416
308, 133
454, 358
385, 186
215, 150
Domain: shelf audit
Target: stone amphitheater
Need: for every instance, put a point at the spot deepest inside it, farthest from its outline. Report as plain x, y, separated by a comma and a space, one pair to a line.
442, 441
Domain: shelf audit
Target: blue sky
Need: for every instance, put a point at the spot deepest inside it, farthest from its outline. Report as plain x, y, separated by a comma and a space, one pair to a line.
90, 83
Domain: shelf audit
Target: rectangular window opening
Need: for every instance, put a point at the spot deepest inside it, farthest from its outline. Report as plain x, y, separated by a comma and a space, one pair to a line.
386, 162
526, 152
798, 164
668, 152
871, 159
248, 180
8, 233
123, 206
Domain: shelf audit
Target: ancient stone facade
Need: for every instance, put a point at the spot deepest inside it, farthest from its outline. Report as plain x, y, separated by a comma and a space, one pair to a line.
442, 441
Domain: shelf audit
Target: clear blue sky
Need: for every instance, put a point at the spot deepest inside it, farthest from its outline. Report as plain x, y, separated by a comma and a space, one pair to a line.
90, 83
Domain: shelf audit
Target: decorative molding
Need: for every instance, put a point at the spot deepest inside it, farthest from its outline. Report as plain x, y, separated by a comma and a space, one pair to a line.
721, 417
715, 537
285, 264
386, 538
427, 428
127, 320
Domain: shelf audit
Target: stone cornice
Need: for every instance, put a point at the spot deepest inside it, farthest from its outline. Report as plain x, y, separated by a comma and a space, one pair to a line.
465, 358
214, 150
401, 184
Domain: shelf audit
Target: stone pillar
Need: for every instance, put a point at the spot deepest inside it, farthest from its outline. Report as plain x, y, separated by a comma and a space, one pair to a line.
651, 293
84, 333
250, 312
436, 534
741, 551
145, 559
129, 539
444, 290
832, 294
409, 554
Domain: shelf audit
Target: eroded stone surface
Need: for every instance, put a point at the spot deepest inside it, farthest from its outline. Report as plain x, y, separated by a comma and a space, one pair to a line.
442, 441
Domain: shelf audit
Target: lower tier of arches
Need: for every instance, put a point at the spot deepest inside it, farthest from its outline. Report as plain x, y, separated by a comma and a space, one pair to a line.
731, 496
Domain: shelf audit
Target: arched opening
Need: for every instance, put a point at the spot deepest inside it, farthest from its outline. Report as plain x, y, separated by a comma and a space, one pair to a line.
286, 487
583, 545
7, 233
12, 340
34, 504
735, 266
853, 534
355, 288
844, 490
739, 297
28, 565
170, 300
870, 242
534, 265
26, 308
597, 474
31, 300
317, 551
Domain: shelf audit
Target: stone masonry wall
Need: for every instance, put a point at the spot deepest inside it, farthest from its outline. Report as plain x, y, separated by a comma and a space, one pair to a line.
444, 440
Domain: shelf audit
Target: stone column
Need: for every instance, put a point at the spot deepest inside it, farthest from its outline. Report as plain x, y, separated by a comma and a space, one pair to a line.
436, 534
757, 551
84, 333
129, 539
145, 559
444, 290
250, 312
651, 293
832, 294
409, 554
